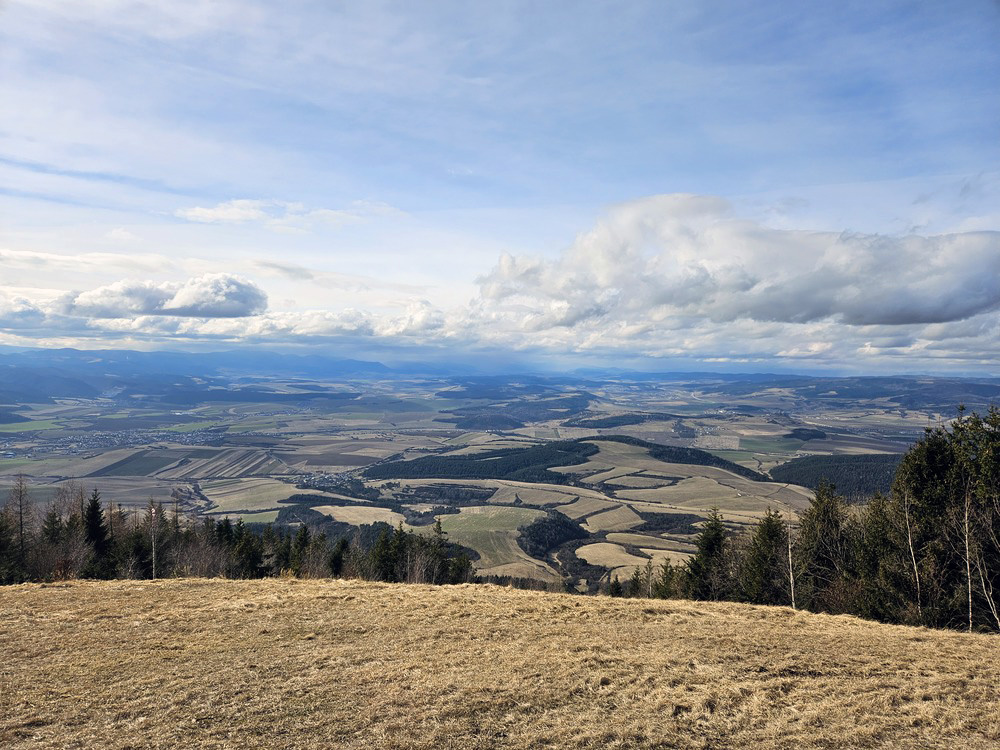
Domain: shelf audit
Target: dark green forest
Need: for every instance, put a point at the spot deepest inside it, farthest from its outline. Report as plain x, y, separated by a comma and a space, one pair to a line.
855, 477
533, 464
519, 464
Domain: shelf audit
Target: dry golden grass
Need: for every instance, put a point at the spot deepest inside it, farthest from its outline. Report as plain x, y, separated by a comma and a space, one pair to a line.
585, 506
616, 519
324, 664
358, 514
609, 555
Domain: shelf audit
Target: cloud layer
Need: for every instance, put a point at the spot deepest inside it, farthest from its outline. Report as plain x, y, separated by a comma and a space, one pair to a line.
215, 295
681, 257
678, 279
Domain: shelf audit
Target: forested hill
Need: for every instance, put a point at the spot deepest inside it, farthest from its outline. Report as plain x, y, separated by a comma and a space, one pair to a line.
679, 455
533, 464
519, 464
857, 478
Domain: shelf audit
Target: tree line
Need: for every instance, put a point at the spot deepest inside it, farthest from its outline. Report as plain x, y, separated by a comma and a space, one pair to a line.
927, 553
79, 536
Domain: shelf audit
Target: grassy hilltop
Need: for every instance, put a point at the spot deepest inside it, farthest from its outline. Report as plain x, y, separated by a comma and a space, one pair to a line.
318, 664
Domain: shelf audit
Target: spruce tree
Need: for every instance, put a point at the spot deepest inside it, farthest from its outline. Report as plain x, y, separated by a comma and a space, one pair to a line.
615, 587
825, 553
665, 584
763, 572
8, 550
96, 535
337, 556
707, 572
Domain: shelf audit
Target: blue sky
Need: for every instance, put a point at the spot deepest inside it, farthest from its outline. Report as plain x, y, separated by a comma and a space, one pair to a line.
676, 185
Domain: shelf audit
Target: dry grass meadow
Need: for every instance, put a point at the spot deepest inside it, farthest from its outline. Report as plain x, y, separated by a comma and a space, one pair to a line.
330, 664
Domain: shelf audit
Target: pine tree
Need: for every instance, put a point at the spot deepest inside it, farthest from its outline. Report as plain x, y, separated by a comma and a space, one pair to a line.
634, 586
299, 548
763, 573
53, 526
96, 535
615, 587
825, 560
8, 549
665, 584
707, 572
337, 557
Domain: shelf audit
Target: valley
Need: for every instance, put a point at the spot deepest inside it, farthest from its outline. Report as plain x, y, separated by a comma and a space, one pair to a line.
634, 463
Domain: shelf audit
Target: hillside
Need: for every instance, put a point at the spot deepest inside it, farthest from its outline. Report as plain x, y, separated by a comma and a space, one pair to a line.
310, 664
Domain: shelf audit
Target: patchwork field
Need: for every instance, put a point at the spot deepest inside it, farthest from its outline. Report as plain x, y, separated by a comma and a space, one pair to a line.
317, 664
619, 468
492, 532
617, 519
250, 495
226, 463
358, 515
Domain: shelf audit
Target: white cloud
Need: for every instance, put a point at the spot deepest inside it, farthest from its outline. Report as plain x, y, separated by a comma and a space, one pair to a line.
674, 277
686, 256
20, 313
46, 262
282, 215
216, 295
120, 234
230, 212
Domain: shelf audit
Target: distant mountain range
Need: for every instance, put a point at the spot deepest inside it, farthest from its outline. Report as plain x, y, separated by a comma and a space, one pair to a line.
39, 375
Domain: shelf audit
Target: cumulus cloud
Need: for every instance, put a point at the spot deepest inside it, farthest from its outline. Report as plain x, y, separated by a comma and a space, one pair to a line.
214, 295
671, 277
686, 256
17, 312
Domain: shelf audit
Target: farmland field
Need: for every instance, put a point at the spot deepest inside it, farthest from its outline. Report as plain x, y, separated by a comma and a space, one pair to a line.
608, 555
233, 495
616, 519
358, 515
492, 532
245, 445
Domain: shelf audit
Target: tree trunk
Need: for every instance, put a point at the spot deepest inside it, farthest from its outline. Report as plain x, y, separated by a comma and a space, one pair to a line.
968, 562
791, 570
913, 556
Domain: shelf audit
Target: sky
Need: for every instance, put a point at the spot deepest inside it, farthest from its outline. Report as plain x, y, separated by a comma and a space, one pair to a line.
756, 186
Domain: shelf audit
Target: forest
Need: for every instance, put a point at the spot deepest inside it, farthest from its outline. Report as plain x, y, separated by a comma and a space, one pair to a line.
857, 477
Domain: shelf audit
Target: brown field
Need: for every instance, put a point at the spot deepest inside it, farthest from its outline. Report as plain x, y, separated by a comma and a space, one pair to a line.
585, 506
617, 519
231, 495
644, 481
648, 540
228, 463
320, 664
608, 555
535, 493
359, 515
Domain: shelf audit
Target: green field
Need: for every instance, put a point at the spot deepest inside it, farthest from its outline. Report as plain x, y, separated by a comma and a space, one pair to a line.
492, 532
139, 465
191, 426
37, 424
